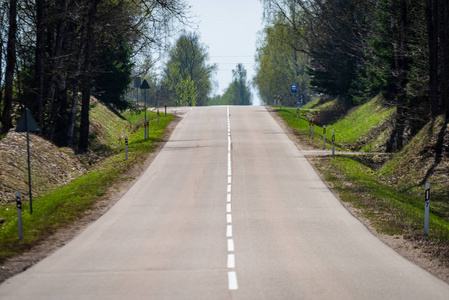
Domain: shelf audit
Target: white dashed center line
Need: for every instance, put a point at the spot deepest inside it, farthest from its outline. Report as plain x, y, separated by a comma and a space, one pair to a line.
232, 275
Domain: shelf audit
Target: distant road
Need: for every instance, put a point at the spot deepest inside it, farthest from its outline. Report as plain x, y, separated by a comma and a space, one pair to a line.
229, 209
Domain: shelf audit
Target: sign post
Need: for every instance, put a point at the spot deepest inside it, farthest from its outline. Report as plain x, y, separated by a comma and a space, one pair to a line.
297, 114
28, 124
310, 127
145, 86
313, 123
324, 137
19, 214
426, 210
333, 144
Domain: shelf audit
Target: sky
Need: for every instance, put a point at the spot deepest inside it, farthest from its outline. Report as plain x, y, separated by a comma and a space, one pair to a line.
229, 28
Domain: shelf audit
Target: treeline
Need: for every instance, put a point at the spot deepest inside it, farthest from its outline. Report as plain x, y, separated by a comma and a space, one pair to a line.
238, 92
55, 54
353, 50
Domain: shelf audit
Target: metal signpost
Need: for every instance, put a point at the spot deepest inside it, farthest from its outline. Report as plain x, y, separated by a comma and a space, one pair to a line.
324, 137
313, 123
333, 144
145, 86
28, 124
426, 210
297, 114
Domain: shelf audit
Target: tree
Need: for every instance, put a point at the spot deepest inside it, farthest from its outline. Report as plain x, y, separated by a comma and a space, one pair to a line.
238, 92
10, 66
66, 47
187, 73
280, 64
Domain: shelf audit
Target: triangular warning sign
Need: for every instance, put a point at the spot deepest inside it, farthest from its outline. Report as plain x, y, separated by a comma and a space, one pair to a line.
145, 85
27, 120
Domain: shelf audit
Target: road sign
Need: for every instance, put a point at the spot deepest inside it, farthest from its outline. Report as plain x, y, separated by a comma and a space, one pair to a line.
27, 123
293, 88
137, 82
145, 85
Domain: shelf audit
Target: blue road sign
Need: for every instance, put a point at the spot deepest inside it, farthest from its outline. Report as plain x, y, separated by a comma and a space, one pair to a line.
293, 88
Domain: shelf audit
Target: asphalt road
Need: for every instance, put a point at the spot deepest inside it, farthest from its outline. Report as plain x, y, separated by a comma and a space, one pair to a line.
229, 209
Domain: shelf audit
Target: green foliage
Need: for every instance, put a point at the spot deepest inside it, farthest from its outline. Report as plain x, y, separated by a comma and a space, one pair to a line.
238, 92
280, 64
391, 211
113, 74
351, 129
187, 74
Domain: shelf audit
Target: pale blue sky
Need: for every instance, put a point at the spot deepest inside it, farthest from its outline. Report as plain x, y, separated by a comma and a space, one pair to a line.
230, 30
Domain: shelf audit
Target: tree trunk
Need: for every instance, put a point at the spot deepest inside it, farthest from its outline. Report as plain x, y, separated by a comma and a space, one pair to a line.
39, 66
57, 83
432, 26
87, 77
444, 63
399, 23
10, 66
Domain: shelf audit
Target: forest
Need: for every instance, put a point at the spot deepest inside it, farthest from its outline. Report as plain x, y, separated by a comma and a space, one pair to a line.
354, 50
56, 54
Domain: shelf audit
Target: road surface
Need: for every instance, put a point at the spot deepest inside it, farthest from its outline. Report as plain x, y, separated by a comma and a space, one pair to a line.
229, 209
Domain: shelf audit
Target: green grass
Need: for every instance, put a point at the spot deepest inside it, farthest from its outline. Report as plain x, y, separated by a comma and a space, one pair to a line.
302, 127
390, 197
65, 205
359, 124
390, 210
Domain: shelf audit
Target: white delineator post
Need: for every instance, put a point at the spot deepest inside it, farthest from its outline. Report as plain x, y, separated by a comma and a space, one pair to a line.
126, 147
426, 210
19, 214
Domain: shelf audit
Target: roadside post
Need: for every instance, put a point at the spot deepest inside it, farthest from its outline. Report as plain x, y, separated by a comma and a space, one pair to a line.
313, 123
426, 210
333, 144
148, 129
145, 129
126, 147
19, 214
297, 114
158, 117
165, 109
324, 137
310, 127
145, 86
28, 124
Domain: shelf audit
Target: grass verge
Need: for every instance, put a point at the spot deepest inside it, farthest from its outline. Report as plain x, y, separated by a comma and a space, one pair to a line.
65, 205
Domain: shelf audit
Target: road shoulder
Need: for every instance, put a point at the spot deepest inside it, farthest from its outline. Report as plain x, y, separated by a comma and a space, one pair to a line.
408, 249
